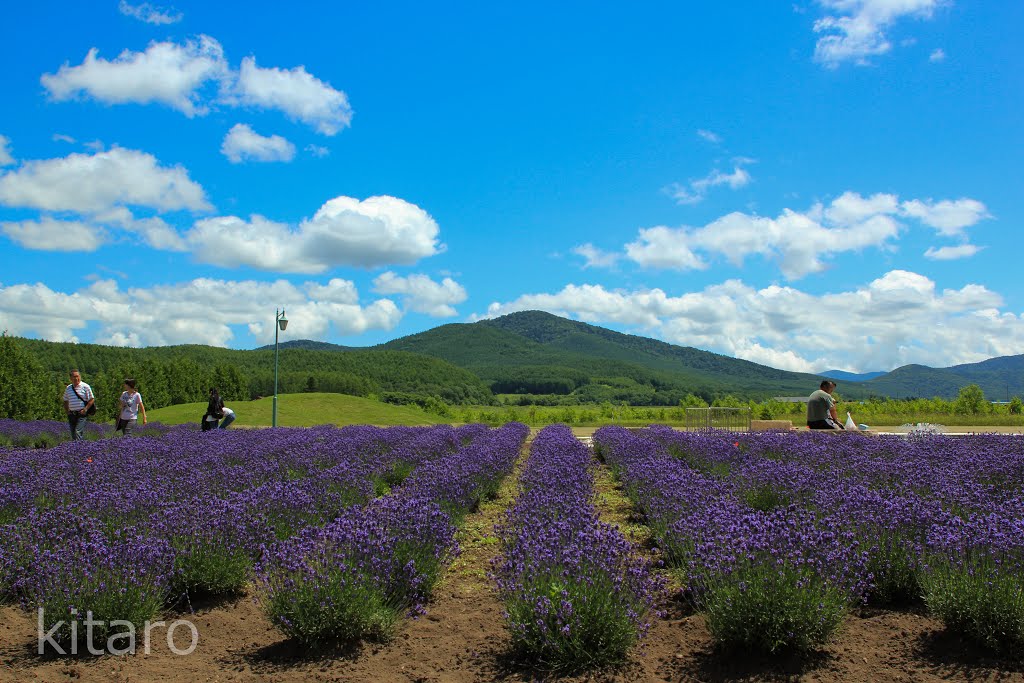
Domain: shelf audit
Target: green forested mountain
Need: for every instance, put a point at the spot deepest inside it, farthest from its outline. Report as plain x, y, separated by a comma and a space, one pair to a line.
309, 345
539, 357
1000, 378
538, 353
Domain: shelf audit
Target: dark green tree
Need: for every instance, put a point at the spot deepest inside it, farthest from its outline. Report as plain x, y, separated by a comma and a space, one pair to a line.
1016, 406
971, 401
27, 394
187, 383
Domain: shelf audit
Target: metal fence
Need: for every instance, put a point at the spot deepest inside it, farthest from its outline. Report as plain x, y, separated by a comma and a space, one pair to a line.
728, 419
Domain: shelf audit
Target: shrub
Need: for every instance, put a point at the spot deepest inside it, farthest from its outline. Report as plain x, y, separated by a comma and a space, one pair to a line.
353, 578
72, 571
979, 601
212, 544
769, 608
327, 584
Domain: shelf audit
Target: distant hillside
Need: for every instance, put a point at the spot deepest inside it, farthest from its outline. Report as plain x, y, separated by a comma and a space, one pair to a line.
843, 376
539, 357
1000, 378
309, 345
536, 352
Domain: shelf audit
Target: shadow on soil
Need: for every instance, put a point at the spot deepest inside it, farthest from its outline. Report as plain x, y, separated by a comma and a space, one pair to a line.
950, 652
186, 605
287, 654
720, 665
508, 665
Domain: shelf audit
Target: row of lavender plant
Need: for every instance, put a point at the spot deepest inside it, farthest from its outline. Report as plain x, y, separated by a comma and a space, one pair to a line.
575, 590
776, 579
763, 472
354, 577
948, 521
121, 527
938, 518
44, 433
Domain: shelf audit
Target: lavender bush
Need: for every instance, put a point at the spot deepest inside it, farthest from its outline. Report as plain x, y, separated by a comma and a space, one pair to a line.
77, 571
211, 543
973, 582
44, 433
328, 584
576, 592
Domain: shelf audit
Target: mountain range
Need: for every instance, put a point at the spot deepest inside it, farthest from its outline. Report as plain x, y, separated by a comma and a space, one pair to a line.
843, 376
533, 352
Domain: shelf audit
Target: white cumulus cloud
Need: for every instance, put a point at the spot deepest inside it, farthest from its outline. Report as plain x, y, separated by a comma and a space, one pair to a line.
86, 183
345, 231
200, 311
710, 136
242, 143
194, 76
899, 318
695, 191
423, 295
167, 73
49, 234
801, 242
6, 159
154, 231
158, 16
855, 30
948, 217
951, 253
594, 257
296, 92
373, 232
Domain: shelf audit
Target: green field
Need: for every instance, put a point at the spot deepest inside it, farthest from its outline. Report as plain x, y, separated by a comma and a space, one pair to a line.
308, 409
303, 410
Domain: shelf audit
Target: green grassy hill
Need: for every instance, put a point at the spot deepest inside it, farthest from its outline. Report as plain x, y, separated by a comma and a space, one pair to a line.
533, 352
303, 410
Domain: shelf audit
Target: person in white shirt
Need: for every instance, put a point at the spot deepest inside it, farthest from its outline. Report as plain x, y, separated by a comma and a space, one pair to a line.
78, 400
131, 406
229, 417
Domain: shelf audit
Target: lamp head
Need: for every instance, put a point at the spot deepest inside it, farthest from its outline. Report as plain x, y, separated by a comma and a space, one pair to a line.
282, 321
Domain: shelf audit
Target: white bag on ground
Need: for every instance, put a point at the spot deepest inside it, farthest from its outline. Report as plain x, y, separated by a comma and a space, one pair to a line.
850, 424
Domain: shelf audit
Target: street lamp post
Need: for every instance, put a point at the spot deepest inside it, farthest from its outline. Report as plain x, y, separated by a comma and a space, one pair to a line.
280, 323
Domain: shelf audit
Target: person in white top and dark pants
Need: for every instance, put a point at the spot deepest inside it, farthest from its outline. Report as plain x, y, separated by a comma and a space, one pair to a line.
79, 403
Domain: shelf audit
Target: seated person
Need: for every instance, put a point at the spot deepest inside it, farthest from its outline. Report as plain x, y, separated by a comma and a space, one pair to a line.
821, 408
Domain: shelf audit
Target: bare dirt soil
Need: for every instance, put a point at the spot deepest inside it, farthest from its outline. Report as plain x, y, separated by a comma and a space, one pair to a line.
463, 638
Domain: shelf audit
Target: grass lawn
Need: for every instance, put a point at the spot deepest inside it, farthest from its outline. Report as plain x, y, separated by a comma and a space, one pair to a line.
303, 410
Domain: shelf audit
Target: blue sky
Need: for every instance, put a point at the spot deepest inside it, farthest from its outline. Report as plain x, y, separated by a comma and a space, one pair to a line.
810, 185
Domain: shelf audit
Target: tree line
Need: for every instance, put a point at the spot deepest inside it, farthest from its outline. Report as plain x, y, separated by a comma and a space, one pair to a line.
34, 373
